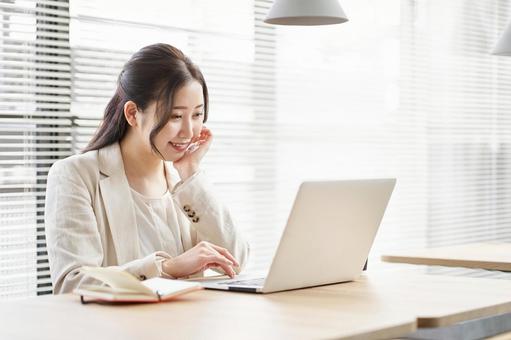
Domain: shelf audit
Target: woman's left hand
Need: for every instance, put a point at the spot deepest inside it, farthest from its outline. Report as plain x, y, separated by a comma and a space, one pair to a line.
187, 165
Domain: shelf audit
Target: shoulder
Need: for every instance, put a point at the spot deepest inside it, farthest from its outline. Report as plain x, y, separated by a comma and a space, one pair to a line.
84, 165
88, 160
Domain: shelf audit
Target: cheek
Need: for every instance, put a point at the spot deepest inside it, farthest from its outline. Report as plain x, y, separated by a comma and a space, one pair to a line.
169, 131
164, 136
197, 127
160, 139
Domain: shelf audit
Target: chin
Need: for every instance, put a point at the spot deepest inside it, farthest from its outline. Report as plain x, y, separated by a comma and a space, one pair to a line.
168, 157
172, 156
168, 154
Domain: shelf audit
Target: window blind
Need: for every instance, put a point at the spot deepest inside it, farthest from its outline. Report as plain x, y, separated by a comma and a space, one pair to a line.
35, 130
464, 93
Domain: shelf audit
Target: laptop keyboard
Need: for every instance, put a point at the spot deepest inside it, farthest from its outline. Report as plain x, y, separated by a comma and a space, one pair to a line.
251, 282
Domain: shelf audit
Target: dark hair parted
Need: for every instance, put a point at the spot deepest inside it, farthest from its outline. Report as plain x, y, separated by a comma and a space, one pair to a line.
154, 73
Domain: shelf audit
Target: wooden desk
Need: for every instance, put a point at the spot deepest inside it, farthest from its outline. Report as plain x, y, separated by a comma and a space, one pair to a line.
303, 314
378, 305
493, 256
438, 300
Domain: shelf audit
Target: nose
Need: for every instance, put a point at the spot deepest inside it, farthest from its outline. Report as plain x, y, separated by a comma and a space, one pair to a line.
186, 131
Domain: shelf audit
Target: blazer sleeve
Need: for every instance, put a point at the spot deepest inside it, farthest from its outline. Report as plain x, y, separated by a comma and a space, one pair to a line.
210, 219
72, 235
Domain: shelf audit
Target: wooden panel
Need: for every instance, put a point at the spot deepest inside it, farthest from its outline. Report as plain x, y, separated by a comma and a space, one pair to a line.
378, 305
437, 300
302, 314
492, 256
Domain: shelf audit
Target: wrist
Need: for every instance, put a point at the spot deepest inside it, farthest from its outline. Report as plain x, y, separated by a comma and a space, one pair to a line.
167, 267
187, 171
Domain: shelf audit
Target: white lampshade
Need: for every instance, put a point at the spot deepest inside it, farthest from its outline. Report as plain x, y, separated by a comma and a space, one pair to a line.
306, 13
503, 46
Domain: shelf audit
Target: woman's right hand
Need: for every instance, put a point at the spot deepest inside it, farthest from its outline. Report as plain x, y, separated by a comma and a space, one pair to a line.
201, 257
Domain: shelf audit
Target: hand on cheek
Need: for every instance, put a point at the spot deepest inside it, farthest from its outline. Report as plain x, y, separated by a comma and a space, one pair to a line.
203, 138
189, 163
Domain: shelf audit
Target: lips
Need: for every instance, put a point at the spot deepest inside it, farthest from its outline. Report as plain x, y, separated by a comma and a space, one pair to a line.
179, 146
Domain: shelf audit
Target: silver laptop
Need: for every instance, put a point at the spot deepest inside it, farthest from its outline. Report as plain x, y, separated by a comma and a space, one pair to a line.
327, 238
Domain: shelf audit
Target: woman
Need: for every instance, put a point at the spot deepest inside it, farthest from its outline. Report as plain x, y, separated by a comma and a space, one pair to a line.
118, 204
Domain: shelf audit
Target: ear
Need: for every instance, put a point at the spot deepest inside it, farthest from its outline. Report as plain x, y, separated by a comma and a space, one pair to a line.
130, 113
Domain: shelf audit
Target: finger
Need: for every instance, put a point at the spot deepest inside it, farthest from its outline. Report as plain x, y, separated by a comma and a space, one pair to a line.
205, 135
196, 139
203, 140
192, 147
225, 253
198, 142
224, 269
224, 263
203, 132
215, 257
219, 269
211, 265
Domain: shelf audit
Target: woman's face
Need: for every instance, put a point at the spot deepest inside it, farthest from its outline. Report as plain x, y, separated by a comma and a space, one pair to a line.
185, 123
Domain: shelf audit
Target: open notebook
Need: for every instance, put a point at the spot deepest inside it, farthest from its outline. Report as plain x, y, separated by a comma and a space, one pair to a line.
121, 286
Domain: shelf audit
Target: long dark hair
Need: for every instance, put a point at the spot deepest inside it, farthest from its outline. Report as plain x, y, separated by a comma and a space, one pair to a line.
154, 73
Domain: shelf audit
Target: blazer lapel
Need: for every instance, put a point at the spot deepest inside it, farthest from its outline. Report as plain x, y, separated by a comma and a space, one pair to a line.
119, 206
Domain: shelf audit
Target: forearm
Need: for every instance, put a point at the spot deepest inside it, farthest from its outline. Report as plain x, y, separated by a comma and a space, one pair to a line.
186, 171
144, 268
210, 219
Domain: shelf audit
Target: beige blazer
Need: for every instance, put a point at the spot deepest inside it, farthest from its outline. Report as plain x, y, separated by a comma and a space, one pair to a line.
90, 218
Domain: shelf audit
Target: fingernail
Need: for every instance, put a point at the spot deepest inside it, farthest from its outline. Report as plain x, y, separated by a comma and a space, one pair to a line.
192, 147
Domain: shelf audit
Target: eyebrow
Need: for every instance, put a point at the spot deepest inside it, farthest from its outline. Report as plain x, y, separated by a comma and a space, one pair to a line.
185, 107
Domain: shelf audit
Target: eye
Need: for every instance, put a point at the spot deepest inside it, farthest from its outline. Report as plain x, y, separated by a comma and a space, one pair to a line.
175, 117
199, 114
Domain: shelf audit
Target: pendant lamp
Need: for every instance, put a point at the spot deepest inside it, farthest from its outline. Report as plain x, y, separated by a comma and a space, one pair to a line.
503, 46
306, 13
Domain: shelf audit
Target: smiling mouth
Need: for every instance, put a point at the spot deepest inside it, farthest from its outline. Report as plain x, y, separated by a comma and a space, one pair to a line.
179, 146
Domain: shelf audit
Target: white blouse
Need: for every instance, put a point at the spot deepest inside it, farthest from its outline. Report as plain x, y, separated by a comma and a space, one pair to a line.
157, 224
